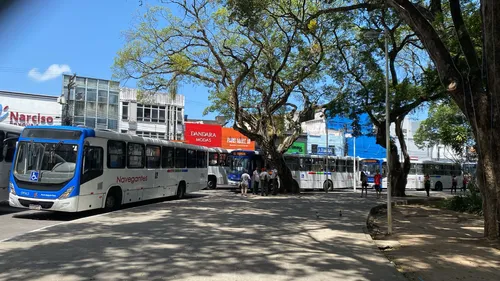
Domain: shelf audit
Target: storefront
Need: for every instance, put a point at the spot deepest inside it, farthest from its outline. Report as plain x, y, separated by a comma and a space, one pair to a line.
23, 109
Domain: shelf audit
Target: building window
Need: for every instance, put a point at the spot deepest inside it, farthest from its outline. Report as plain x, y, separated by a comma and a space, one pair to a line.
112, 124
125, 111
150, 113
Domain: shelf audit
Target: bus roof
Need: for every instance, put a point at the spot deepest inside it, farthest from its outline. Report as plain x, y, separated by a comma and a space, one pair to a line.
112, 135
10, 128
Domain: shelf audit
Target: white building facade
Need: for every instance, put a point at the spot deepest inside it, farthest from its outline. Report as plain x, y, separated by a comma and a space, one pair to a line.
24, 109
158, 116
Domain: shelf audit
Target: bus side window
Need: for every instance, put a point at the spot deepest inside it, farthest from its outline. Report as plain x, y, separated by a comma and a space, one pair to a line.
201, 159
92, 163
9, 148
116, 154
153, 154
167, 155
180, 157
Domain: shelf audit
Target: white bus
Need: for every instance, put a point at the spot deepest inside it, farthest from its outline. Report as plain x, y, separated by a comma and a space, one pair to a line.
218, 167
8, 138
310, 171
440, 172
73, 169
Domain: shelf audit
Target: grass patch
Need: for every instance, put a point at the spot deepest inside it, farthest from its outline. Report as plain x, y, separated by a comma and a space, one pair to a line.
471, 202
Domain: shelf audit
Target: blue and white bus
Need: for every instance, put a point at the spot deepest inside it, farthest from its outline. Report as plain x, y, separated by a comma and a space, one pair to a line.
370, 166
73, 169
309, 171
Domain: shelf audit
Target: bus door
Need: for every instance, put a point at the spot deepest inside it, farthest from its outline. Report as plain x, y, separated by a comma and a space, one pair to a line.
8, 146
167, 178
154, 187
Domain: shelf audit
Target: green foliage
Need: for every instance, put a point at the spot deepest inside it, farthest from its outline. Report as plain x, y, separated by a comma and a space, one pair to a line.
445, 125
469, 203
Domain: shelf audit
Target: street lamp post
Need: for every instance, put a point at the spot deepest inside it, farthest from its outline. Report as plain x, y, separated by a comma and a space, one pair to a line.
376, 34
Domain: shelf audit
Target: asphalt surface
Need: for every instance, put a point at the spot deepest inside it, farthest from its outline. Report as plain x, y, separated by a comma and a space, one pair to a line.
214, 235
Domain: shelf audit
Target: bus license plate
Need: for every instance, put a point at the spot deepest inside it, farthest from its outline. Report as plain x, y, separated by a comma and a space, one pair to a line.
35, 207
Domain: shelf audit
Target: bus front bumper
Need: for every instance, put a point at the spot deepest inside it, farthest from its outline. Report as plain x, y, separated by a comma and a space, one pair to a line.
63, 205
233, 183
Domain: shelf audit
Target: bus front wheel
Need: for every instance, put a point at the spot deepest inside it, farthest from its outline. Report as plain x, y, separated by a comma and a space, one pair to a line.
438, 186
113, 199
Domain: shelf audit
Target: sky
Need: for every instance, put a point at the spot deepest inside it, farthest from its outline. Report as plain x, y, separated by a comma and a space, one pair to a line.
41, 39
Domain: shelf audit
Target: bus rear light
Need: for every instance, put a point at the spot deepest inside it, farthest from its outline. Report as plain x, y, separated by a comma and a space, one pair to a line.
11, 188
66, 193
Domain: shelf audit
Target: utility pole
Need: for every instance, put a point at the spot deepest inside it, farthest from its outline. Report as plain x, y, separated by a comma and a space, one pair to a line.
71, 84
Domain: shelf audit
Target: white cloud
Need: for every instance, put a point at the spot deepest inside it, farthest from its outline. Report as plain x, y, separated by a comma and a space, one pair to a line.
52, 72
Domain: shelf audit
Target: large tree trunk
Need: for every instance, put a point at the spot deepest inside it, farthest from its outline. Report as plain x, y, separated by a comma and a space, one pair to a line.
487, 120
402, 179
395, 167
286, 182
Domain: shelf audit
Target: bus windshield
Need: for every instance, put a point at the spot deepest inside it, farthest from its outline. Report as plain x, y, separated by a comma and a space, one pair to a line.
371, 168
239, 164
48, 163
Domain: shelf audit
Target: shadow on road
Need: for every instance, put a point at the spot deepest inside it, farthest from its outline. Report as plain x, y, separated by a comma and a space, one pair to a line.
215, 237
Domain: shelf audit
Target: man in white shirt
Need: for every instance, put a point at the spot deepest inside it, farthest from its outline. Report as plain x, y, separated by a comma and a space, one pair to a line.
245, 182
264, 182
255, 181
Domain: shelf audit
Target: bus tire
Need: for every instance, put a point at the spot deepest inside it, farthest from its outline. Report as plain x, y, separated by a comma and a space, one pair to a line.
438, 186
181, 190
212, 182
328, 185
113, 200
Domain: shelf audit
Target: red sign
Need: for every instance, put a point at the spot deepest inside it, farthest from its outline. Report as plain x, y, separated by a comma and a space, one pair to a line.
30, 119
203, 134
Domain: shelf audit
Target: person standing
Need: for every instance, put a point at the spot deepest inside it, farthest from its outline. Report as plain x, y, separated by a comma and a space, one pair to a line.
364, 184
427, 184
245, 182
274, 181
264, 182
378, 184
255, 181
454, 184
464, 183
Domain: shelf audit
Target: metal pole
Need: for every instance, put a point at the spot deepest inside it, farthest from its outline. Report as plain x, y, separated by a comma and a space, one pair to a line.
327, 153
355, 167
388, 137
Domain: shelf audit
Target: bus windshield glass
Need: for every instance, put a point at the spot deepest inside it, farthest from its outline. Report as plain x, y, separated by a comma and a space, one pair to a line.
48, 163
239, 164
371, 167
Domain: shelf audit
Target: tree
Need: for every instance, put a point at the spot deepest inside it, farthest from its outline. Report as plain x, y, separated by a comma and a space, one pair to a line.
252, 72
358, 67
469, 74
446, 125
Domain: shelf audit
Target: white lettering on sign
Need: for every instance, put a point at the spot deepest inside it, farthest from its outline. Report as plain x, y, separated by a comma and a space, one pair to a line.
238, 140
204, 134
203, 140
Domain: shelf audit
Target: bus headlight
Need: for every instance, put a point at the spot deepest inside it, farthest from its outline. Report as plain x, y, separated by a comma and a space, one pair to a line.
66, 193
11, 188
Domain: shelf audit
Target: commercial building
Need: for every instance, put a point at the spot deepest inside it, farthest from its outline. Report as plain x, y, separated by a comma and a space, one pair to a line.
93, 102
24, 109
152, 115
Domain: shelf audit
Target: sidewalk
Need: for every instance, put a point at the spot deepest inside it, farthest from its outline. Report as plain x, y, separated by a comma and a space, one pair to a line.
435, 244
215, 236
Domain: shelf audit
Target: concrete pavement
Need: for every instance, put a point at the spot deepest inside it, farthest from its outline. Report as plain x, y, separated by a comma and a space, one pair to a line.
216, 235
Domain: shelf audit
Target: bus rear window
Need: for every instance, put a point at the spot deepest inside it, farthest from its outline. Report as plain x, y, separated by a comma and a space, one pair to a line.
51, 134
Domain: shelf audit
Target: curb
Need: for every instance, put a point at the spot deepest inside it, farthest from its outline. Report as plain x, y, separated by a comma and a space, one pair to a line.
396, 202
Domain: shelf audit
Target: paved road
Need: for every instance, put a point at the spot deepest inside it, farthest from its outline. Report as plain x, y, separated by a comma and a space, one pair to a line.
14, 221
215, 235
